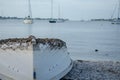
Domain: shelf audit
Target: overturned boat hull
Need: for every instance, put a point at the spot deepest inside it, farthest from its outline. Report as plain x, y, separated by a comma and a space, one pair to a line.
31, 58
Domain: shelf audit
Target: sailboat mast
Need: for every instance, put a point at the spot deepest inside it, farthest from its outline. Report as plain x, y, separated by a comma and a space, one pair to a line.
119, 10
59, 11
51, 8
29, 8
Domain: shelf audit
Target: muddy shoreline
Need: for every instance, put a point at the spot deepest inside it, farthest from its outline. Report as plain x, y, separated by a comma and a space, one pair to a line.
94, 70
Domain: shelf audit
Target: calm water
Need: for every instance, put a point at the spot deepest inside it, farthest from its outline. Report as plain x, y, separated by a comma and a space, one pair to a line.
82, 38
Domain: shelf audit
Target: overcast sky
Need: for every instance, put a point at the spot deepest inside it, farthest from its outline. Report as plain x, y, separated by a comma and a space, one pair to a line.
72, 9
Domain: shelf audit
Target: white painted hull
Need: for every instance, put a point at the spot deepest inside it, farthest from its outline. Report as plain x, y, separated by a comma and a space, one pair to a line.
19, 63
116, 22
60, 21
51, 65
26, 21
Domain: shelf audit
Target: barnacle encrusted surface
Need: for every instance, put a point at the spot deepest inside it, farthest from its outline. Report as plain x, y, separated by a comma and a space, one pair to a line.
25, 43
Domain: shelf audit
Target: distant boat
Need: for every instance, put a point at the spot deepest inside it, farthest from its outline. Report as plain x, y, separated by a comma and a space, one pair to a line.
28, 19
117, 20
59, 20
52, 20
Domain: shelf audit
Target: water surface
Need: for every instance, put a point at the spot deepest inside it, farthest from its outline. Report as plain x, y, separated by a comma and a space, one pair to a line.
82, 38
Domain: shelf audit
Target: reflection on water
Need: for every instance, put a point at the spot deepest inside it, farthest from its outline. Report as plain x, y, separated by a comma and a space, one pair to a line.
82, 37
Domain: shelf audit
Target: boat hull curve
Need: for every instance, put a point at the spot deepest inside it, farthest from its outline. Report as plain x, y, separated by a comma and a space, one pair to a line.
34, 59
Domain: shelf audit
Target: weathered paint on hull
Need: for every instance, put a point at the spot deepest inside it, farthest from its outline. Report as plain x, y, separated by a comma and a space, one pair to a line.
47, 58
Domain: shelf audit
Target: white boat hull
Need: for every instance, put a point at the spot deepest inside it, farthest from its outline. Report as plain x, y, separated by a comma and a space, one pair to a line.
28, 21
19, 60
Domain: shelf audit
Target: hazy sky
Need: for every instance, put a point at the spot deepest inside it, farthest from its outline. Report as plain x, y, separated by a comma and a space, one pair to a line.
72, 9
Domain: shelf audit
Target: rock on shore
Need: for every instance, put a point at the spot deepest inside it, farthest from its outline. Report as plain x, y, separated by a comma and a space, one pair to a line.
89, 70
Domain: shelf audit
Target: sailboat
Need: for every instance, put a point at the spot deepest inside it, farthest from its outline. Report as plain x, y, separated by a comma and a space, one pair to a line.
28, 19
59, 20
52, 20
117, 20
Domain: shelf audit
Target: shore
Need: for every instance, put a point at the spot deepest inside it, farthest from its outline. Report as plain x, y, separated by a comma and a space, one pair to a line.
94, 70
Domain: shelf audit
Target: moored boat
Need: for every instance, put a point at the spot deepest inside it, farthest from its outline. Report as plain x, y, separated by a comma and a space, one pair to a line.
52, 20
117, 20
28, 19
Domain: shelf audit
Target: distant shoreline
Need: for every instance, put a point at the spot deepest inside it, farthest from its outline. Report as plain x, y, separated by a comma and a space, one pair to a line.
2, 18
37, 18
